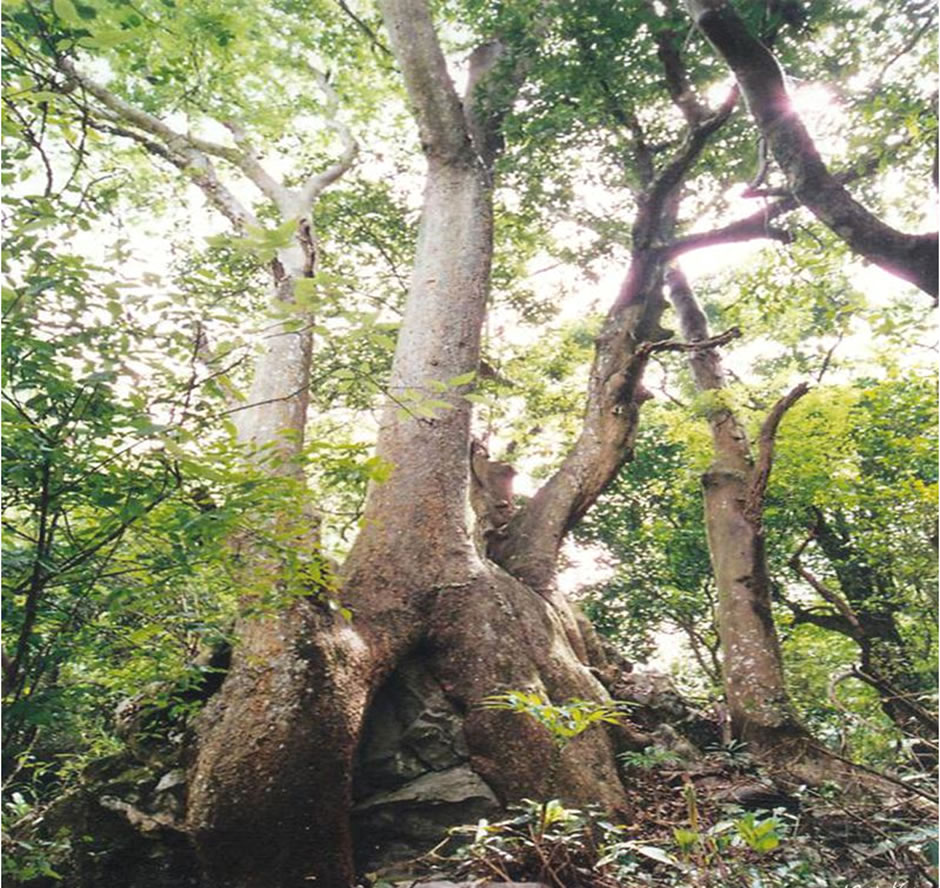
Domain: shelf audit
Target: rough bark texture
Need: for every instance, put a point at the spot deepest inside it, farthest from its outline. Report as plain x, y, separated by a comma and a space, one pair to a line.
272, 785
909, 256
752, 669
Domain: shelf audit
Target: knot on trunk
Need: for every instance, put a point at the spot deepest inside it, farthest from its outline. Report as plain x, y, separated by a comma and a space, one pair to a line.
490, 495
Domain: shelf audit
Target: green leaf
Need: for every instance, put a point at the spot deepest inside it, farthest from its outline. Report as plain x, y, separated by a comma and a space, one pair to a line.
65, 10
686, 838
105, 39
462, 379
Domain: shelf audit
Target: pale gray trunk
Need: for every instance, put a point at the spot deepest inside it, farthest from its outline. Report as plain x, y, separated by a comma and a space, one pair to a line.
274, 414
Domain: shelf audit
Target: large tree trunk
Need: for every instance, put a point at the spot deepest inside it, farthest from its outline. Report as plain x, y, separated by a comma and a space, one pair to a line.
271, 785
317, 718
734, 486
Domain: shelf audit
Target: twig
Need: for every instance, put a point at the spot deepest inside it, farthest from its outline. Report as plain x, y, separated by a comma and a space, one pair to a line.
648, 348
373, 39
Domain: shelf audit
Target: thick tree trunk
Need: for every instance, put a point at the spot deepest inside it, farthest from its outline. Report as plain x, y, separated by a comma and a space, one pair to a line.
752, 669
241, 811
271, 785
279, 764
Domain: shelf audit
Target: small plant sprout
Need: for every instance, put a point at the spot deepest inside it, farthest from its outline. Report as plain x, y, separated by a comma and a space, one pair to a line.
650, 758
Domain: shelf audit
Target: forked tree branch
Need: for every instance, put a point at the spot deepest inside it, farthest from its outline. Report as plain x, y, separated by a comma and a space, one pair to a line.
150, 132
437, 108
201, 171
192, 154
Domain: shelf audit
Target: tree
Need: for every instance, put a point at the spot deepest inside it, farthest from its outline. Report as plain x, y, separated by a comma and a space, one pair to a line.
912, 257
271, 785
734, 487
865, 560
838, 465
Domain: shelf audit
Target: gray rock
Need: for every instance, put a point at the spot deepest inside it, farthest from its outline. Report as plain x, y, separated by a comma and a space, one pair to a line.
403, 823
455, 786
412, 729
170, 780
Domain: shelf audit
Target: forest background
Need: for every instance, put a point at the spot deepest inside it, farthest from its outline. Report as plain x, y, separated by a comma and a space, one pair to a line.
286, 312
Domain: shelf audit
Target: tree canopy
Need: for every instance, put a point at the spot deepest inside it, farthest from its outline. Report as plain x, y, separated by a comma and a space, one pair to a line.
334, 330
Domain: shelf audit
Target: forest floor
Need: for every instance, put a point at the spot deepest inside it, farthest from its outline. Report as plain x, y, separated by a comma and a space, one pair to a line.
718, 821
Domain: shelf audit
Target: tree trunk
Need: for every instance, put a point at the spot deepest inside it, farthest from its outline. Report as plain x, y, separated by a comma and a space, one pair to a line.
271, 784
319, 719
752, 669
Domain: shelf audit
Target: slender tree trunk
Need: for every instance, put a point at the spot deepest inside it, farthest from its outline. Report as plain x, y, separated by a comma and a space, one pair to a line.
752, 668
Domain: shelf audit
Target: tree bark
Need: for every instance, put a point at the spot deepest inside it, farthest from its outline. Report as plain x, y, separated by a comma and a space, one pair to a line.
912, 257
271, 785
752, 668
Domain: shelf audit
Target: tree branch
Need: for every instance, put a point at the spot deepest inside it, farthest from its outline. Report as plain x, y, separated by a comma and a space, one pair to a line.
677, 81
37, 578
319, 182
665, 184
758, 224
191, 153
631, 334
179, 149
245, 158
647, 348
751, 227
888, 691
765, 452
837, 601
911, 257
373, 38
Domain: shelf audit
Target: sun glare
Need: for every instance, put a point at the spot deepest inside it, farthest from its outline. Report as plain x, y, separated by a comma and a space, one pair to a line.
812, 100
